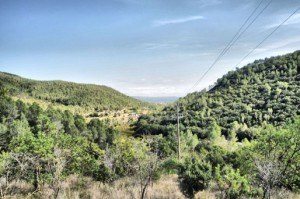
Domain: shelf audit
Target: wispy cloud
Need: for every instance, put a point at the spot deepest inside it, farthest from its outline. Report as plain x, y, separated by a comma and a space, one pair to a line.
178, 20
282, 43
273, 48
155, 46
293, 20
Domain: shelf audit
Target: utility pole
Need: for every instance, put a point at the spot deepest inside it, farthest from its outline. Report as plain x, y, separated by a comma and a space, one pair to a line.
179, 116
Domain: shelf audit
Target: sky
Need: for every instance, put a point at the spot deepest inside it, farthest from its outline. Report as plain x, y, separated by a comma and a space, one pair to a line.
140, 47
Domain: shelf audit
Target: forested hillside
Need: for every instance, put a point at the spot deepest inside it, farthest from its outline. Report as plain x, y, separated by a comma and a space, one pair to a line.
53, 153
266, 91
68, 93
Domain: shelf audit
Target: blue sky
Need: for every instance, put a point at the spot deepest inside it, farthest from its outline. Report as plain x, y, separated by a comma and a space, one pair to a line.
139, 47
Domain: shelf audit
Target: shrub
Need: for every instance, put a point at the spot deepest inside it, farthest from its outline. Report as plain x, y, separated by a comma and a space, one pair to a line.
194, 175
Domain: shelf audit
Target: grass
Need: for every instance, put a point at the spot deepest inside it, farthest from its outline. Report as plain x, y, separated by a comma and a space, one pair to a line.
75, 187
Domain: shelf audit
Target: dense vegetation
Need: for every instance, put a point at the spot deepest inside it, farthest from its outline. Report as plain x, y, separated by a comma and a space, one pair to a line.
241, 139
266, 91
43, 147
69, 94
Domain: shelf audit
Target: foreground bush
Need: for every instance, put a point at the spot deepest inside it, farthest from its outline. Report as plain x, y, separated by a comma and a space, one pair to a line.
194, 176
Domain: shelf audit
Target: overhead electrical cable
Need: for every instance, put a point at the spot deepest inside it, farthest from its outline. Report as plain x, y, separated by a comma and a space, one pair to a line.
239, 33
268, 36
266, 6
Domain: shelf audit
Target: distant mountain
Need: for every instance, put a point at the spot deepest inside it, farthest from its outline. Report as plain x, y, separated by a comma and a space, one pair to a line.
158, 100
266, 91
68, 94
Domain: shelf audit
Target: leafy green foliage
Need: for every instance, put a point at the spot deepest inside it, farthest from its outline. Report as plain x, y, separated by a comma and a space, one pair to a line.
101, 133
69, 94
277, 158
43, 146
4, 137
231, 184
194, 175
259, 102
266, 91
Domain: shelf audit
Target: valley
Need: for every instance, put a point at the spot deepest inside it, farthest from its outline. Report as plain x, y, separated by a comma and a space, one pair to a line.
247, 124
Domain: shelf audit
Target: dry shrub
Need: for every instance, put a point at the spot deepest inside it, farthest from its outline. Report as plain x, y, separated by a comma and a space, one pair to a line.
126, 188
206, 194
166, 187
16, 188
75, 187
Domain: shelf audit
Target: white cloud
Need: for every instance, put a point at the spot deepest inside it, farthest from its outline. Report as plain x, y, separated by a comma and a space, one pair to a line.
155, 46
293, 20
283, 43
204, 54
178, 20
273, 48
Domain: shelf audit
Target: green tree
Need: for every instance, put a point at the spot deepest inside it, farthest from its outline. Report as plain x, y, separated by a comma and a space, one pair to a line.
31, 157
214, 132
81, 125
147, 162
8, 111
68, 123
32, 115
98, 131
277, 159
231, 183
4, 137
194, 175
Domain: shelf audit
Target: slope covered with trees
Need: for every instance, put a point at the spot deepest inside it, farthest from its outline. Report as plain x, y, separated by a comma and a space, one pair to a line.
266, 91
68, 93
43, 147
45, 152
51, 153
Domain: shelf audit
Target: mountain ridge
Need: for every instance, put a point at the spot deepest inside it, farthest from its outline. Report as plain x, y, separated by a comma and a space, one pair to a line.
67, 93
265, 91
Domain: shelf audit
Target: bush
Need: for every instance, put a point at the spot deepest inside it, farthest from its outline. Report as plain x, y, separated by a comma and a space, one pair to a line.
194, 175
170, 166
231, 184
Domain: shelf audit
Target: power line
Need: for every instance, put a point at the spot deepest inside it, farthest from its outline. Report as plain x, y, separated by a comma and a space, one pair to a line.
234, 39
268, 36
239, 33
266, 6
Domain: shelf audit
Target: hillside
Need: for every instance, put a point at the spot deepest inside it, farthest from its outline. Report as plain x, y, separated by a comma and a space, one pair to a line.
266, 91
51, 151
86, 96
